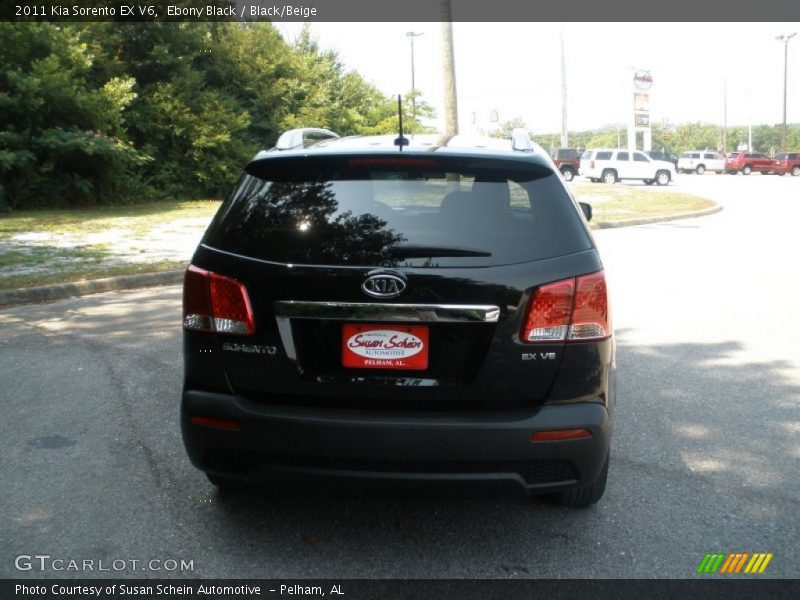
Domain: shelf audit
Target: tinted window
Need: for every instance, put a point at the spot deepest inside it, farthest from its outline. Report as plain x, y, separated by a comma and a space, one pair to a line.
639, 157
587, 155
782, 156
388, 212
686, 155
603, 155
622, 156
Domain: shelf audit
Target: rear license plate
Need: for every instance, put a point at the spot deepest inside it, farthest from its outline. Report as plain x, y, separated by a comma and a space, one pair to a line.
385, 346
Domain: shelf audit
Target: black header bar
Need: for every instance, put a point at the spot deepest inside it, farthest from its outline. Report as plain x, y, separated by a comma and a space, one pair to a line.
401, 10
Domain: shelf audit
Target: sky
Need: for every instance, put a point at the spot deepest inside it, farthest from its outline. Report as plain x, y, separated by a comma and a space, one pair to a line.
514, 69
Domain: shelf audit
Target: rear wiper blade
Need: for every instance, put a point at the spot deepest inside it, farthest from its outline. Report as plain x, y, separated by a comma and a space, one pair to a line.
422, 251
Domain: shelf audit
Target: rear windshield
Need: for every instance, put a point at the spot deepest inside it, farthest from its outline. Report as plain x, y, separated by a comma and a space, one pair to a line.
587, 154
410, 211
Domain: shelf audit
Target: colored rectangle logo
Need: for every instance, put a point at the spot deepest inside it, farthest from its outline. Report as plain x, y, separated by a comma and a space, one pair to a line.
734, 563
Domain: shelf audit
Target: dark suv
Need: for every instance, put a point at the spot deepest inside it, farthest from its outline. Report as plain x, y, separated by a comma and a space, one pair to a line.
665, 156
568, 161
426, 314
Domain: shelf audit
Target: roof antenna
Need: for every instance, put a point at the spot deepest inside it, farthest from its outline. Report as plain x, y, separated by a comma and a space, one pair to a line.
400, 141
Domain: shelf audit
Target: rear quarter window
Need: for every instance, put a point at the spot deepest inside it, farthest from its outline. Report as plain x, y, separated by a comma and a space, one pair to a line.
603, 156
416, 212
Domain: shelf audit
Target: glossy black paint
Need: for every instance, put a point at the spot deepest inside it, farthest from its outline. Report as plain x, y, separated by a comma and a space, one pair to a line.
483, 395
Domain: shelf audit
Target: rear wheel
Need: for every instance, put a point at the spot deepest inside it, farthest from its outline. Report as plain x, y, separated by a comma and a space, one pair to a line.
609, 176
586, 495
568, 174
795, 171
649, 181
662, 178
700, 169
747, 169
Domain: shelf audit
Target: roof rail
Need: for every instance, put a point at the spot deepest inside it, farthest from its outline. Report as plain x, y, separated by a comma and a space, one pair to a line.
520, 140
296, 138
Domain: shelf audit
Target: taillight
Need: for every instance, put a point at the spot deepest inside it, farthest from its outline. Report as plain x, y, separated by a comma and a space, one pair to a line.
573, 310
213, 302
549, 312
591, 164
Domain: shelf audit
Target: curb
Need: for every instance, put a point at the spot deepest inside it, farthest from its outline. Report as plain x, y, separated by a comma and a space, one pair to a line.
658, 219
50, 293
60, 291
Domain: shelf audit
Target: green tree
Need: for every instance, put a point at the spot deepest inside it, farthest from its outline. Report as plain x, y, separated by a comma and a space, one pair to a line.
61, 135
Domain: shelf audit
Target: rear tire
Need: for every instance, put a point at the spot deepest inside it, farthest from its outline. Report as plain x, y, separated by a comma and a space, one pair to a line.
609, 176
586, 495
649, 181
662, 178
795, 171
747, 169
700, 169
225, 484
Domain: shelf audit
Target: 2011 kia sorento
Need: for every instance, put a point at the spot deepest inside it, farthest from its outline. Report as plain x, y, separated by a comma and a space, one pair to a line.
411, 311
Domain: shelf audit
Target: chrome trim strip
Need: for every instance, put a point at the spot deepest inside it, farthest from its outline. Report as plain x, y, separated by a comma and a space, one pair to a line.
367, 311
285, 331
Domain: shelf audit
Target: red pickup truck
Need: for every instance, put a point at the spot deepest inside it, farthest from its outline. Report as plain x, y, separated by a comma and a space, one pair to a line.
747, 162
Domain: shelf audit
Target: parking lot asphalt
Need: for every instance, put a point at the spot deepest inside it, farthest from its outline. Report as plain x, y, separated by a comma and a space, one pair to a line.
706, 453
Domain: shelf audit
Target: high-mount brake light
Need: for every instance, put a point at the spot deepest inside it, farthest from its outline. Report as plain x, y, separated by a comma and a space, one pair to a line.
215, 303
426, 163
571, 310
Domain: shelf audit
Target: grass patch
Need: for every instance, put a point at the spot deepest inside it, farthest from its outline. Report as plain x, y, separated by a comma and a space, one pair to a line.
85, 273
53, 256
137, 219
619, 202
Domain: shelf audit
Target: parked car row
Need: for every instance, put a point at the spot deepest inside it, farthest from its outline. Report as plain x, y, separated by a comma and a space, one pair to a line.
747, 162
613, 164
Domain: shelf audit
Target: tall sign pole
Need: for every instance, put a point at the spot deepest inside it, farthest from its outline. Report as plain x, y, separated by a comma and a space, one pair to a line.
640, 119
449, 72
564, 129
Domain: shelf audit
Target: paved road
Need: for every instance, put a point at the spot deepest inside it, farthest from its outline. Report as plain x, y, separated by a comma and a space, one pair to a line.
706, 454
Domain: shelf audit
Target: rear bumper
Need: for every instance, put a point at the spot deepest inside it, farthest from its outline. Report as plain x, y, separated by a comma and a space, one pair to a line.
315, 445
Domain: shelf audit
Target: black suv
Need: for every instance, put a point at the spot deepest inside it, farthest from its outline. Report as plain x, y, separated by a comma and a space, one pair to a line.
395, 311
665, 156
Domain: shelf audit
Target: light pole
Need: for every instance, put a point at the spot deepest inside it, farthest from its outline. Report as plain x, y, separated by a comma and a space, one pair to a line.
785, 39
411, 36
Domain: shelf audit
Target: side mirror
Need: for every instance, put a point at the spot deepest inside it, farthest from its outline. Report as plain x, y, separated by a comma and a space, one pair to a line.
587, 210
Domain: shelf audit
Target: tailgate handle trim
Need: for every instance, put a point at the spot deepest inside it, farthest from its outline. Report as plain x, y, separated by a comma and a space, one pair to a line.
285, 310
367, 311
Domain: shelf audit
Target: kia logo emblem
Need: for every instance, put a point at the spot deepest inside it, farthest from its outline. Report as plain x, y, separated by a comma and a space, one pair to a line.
383, 285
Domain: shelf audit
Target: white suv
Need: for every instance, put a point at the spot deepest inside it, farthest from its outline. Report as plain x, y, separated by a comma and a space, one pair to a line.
609, 166
700, 161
